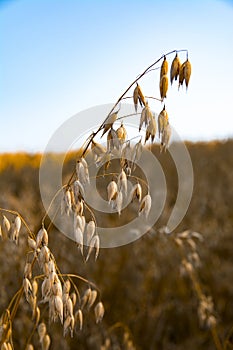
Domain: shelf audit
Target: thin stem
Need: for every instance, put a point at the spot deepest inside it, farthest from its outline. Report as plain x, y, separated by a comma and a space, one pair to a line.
15, 307
154, 98
51, 203
51, 221
150, 70
216, 339
91, 212
127, 116
81, 279
13, 299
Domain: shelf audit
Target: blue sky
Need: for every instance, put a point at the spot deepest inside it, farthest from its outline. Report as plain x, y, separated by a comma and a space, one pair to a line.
58, 58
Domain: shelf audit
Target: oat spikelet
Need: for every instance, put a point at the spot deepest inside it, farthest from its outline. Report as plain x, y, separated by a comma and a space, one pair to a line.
66, 287
141, 97
78, 237
121, 133
78, 189
82, 171
6, 224
90, 230
94, 241
151, 130
164, 67
79, 222
31, 243
162, 120
97, 149
27, 288
45, 289
99, 312
119, 202
15, 228
85, 297
79, 318
69, 325
137, 151
17, 223
41, 331
94, 244
163, 86
56, 286
41, 238
112, 140
187, 72
145, 206
146, 115
46, 342
4, 346
136, 193
29, 347
92, 299
138, 97
109, 122
112, 190
28, 270
166, 136
86, 170
73, 298
135, 98
122, 182
181, 75
59, 307
175, 69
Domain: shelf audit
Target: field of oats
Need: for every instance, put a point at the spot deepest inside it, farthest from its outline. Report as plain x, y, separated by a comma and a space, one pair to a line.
151, 298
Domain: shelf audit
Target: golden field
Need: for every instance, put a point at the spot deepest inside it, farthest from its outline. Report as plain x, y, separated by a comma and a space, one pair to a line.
146, 299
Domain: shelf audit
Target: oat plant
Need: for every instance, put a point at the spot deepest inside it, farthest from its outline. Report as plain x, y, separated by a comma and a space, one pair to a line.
54, 296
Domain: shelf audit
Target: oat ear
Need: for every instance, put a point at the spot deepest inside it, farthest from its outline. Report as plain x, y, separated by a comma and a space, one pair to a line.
142, 99
181, 75
187, 72
99, 312
175, 68
163, 86
164, 67
135, 97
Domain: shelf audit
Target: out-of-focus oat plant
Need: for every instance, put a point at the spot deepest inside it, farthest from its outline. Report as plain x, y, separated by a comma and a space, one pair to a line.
50, 291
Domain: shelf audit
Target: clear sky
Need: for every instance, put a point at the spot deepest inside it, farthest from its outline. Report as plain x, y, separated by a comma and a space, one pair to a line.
58, 58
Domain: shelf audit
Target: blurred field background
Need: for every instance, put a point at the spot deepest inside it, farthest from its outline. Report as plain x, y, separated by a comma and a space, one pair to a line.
145, 297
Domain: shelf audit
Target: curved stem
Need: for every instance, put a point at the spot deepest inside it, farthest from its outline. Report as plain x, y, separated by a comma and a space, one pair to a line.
91, 212
81, 279
51, 203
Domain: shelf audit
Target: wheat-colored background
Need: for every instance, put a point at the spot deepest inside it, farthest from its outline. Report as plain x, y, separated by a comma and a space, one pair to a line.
140, 284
